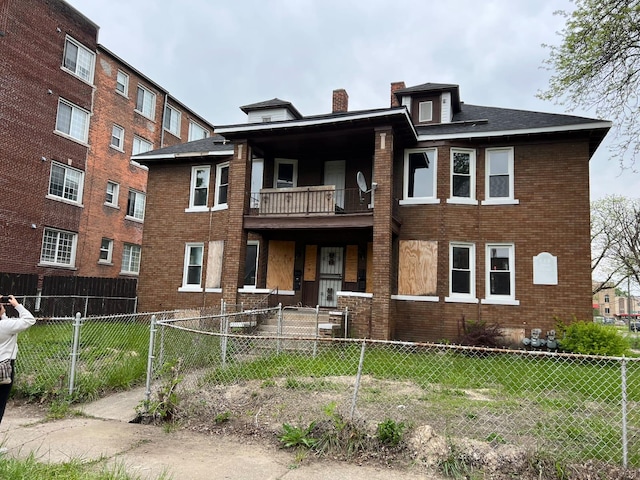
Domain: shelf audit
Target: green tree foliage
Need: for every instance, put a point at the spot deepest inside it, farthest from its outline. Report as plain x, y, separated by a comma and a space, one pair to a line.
597, 66
590, 338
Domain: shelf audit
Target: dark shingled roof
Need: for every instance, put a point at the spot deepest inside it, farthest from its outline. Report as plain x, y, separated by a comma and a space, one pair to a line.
270, 104
214, 143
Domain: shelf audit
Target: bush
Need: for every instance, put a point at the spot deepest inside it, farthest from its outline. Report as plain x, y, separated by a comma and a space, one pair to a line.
480, 334
589, 338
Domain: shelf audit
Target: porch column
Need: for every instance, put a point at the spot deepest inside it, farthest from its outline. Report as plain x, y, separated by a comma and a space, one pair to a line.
382, 235
235, 244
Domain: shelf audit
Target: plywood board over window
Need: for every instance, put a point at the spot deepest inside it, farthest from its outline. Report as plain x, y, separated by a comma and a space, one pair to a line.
214, 264
351, 264
310, 263
369, 286
280, 264
418, 268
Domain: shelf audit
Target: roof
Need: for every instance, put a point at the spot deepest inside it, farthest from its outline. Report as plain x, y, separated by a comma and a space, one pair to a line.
431, 88
213, 145
271, 104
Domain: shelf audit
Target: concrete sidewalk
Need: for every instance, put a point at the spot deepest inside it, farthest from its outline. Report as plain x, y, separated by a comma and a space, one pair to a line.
103, 433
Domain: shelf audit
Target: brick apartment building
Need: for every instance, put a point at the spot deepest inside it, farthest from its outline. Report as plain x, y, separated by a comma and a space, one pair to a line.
413, 216
73, 113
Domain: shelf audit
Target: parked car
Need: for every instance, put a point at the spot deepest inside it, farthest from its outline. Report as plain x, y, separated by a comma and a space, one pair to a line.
634, 325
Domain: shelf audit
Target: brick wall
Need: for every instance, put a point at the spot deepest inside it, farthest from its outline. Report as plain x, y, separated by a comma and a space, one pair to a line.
359, 318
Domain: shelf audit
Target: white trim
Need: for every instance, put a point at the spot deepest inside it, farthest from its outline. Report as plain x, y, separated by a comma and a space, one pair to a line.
139, 165
213, 290
196, 209
471, 199
460, 300
257, 245
500, 299
495, 301
511, 173
419, 201
216, 193
416, 298
192, 188
285, 161
524, 131
354, 294
498, 201
221, 153
261, 291
463, 297
462, 201
285, 292
222, 206
430, 151
190, 289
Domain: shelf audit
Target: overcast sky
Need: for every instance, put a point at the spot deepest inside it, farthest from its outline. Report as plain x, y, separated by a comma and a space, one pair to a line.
217, 55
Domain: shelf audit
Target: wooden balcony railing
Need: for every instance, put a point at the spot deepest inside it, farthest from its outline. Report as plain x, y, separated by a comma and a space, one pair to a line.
312, 200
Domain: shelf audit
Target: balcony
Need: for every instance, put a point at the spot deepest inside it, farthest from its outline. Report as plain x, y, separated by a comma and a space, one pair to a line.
318, 206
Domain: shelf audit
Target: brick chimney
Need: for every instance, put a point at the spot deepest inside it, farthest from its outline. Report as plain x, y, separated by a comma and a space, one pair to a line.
340, 101
395, 86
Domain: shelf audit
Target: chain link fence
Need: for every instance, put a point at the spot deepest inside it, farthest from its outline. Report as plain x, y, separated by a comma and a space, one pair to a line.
576, 407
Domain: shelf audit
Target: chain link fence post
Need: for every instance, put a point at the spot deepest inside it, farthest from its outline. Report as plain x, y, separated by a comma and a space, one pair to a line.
150, 358
74, 352
358, 377
623, 373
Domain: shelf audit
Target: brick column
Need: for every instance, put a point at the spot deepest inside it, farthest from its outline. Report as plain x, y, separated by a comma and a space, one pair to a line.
382, 236
235, 244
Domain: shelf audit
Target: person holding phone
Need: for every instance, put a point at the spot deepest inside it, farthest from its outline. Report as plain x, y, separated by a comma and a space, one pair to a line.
9, 329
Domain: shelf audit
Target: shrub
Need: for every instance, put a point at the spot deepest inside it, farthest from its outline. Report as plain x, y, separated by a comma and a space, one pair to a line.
589, 338
480, 334
390, 432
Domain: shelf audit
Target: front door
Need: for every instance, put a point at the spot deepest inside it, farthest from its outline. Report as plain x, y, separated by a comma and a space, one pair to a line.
330, 276
334, 175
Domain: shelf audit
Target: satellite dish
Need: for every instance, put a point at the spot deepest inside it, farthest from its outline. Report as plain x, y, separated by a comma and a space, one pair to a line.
362, 183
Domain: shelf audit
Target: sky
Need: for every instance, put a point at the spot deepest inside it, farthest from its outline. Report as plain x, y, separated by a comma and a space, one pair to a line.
217, 55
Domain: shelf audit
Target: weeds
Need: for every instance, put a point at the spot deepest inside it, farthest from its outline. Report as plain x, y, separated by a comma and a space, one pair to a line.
390, 432
165, 408
293, 436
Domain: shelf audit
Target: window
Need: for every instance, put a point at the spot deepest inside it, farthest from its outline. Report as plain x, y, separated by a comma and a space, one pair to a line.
79, 60
196, 132
286, 173
199, 188
106, 250
192, 273
257, 170
425, 111
607, 310
500, 279
463, 173
146, 102
135, 205
172, 120
140, 145
420, 176
251, 264
72, 121
117, 137
222, 185
122, 83
606, 299
58, 248
266, 118
462, 272
131, 258
111, 197
66, 183
499, 183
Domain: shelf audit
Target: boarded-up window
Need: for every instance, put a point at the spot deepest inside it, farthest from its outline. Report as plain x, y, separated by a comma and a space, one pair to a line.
310, 263
418, 267
280, 265
351, 265
214, 264
369, 287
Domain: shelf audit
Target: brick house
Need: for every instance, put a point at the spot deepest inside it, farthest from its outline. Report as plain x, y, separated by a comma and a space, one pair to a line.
413, 216
73, 114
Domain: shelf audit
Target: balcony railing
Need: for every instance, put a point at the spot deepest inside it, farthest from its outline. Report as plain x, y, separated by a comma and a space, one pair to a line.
312, 200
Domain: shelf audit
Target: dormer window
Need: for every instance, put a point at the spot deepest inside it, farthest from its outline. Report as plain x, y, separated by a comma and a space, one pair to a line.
266, 118
425, 111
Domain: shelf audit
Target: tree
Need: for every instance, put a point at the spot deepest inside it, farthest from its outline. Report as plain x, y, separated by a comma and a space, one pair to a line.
615, 241
597, 66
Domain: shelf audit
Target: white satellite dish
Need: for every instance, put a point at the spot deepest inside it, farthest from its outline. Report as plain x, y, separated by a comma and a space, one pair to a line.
362, 183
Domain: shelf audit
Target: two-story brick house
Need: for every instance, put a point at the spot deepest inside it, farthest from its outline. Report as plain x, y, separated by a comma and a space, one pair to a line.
413, 216
72, 115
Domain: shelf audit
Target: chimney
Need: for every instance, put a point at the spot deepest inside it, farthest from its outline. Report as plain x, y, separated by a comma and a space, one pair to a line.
340, 101
395, 86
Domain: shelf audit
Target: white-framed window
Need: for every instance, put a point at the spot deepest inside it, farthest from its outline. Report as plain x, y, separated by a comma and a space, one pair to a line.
501, 274
131, 259
192, 272
66, 183
106, 250
420, 176
251, 264
257, 171
222, 186
79, 60
171, 120
285, 173
140, 145
197, 132
122, 83
146, 102
58, 247
199, 188
135, 205
72, 121
117, 137
425, 111
111, 197
606, 298
463, 175
607, 310
499, 176
462, 267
